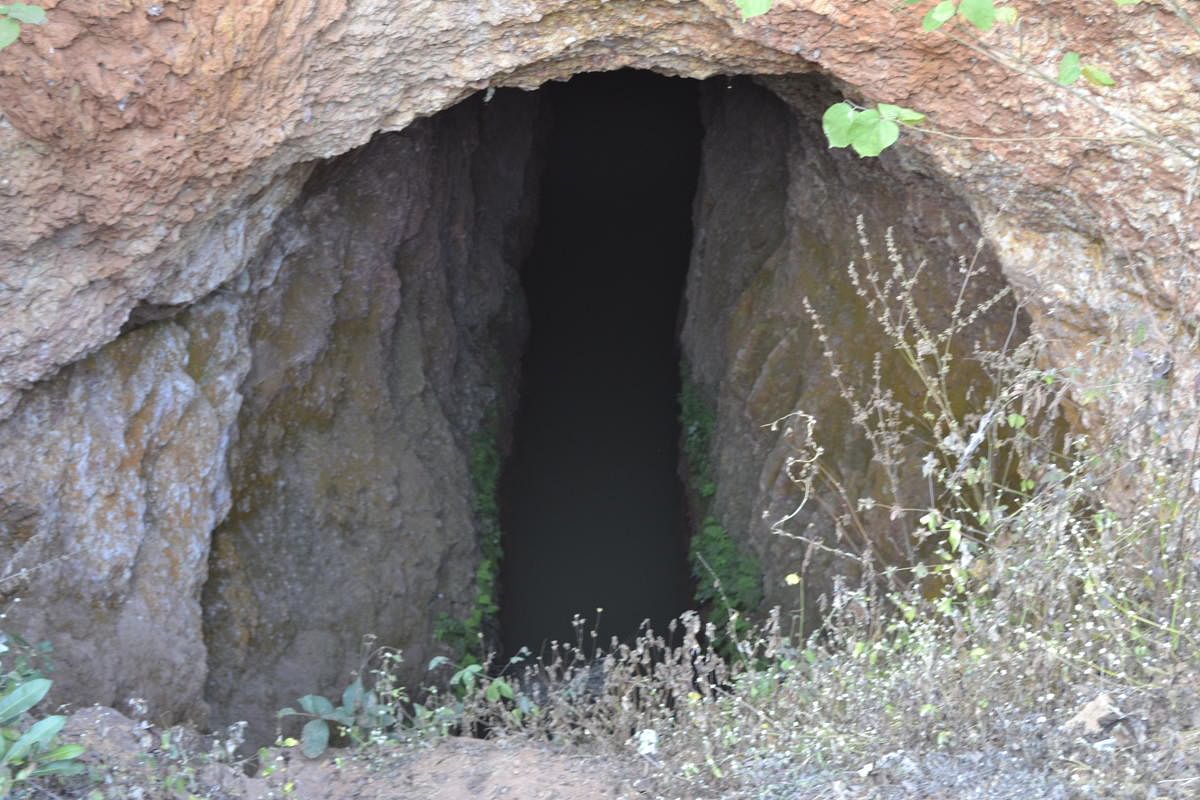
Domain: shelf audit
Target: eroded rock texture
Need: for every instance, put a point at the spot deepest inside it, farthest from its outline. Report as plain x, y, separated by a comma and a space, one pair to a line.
112, 477
140, 139
151, 158
330, 396
775, 224
386, 335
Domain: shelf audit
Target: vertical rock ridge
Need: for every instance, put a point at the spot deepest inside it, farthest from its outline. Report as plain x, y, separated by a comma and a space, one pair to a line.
387, 341
775, 223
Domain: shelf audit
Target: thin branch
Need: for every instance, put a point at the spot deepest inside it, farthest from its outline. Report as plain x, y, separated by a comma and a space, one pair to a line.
1028, 70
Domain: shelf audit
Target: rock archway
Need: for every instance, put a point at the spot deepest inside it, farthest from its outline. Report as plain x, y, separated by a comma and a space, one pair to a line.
167, 313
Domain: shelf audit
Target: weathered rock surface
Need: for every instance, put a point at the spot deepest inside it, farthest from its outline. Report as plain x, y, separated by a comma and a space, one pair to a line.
774, 217
141, 142
387, 329
330, 396
152, 153
112, 477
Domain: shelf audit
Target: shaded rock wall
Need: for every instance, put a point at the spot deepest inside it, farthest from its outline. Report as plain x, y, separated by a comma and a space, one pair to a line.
386, 336
326, 400
774, 217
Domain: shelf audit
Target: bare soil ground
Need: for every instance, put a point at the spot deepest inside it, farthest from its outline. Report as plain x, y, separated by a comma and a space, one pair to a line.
134, 761
466, 769
142, 765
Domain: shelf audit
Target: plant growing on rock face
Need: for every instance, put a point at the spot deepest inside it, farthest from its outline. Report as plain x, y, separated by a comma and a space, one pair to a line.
13, 15
697, 420
870, 131
467, 635
728, 581
29, 750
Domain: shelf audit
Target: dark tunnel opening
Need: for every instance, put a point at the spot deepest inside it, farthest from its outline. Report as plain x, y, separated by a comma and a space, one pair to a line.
592, 503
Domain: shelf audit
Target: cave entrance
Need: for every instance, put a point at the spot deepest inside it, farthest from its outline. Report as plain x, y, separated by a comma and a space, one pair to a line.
503, 280
592, 503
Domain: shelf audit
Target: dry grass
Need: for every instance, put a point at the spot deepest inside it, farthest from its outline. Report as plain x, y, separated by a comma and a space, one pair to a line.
1060, 567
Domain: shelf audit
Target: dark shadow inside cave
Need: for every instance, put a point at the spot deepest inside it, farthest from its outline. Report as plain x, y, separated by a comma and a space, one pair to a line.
504, 280
592, 502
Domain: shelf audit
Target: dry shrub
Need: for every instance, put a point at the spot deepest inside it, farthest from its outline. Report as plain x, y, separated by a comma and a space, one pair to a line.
1056, 567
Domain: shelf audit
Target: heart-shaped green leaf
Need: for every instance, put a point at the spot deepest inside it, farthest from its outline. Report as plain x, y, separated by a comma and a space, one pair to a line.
1097, 76
314, 738
938, 16
23, 12
871, 134
10, 29
980, 13
316, 704
1068, 69
753, 8
836, 123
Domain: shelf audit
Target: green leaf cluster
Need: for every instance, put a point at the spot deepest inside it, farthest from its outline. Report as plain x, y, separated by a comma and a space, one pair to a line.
381, 709
465, 635
868, 131
728, 581
360, 712
470, 680
13, 15
1071, 68
983, 14
29, 750
753, 8
697, 421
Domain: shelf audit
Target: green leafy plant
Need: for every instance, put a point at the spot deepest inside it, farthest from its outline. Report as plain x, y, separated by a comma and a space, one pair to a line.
376, 707
13, 15
868, 131
364, 714
476, 689
871, 131
466, 635
1070, 69
728, 581
697, 421
470, 676
753, 8
983, 14
29, 750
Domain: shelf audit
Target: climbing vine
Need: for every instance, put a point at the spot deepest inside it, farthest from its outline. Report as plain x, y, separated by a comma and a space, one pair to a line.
466, 635
870, 131
728, 581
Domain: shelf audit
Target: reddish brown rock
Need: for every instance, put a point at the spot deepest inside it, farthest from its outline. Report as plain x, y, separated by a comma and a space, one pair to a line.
151, 151
141, 139
775, 227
